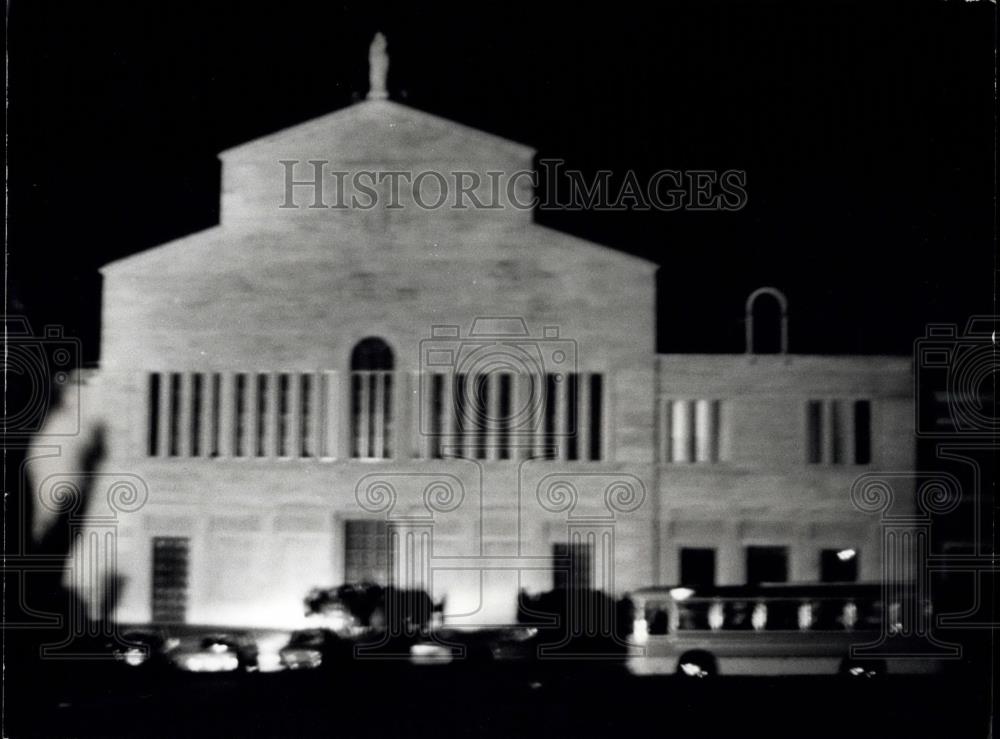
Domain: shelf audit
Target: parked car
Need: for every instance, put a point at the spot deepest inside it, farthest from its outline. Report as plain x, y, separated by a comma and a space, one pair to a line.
313, 648
143, 648
215, 653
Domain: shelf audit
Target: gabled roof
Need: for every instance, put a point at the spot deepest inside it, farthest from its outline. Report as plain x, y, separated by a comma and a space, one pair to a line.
371, 131
212, 247
372, 124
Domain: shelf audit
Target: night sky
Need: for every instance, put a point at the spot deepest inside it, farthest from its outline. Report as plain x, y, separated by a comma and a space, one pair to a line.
865, 129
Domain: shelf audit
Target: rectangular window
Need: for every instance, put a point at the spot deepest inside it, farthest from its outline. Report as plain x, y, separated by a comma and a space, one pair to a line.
692, 430
572, 399
596, 422
324, 408
437, 415
862, 432
240, 401
284, 415
175, 413
697, 566
358, 409
153, 428
366, 552
461, 415
170, 578
681, 437
306, 441
767, 564
371, 414
196, 410
261, 415
551, 401
216, 407
481, 414
838, 565
386, 409
831, 424
503, 416
814, 421
706, 431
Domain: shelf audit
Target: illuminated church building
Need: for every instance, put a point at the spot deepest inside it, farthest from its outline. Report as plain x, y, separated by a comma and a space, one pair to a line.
454, 399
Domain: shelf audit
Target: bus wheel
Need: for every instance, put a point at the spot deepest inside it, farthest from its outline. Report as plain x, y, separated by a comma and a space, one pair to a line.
862, 668
697, 664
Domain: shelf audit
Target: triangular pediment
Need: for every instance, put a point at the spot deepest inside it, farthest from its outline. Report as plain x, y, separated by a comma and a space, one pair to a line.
382, 130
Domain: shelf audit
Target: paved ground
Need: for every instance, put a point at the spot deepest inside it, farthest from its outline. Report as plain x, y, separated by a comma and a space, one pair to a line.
389, 701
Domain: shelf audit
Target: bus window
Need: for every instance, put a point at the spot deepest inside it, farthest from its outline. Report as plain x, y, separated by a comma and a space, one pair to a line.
783, 615
657, 621
738, 614
870, 615
693, 615
828, 615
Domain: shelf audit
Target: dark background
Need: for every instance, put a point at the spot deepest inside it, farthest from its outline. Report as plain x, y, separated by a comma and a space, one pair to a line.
866, 131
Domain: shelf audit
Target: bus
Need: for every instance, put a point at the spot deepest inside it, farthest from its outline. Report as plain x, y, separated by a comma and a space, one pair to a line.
773, 629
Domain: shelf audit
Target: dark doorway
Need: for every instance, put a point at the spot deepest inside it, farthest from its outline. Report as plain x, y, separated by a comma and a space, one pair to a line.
366, 552
767, 564
838, 565
170, 578
697, 566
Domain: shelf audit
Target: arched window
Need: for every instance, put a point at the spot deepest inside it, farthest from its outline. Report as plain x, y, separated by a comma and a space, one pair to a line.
371, 399
371, 354
773, 339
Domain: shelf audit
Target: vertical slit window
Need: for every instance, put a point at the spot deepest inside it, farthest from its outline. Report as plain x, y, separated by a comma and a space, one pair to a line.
705, 430
216, 406
437, 411
461, 421
153, 429
356, 385
239, 430
196, 408
503, 416
481, 397
261, 414
386, 415
370, 411
305, 416
284, 413
324, 437
596, 421
715, 424
175, 413
572, 400
862, 432
551, 400
681, 433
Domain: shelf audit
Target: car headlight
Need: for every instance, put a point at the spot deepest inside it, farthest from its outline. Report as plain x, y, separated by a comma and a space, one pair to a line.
135, 656
211, 663
424, 653
302, 658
